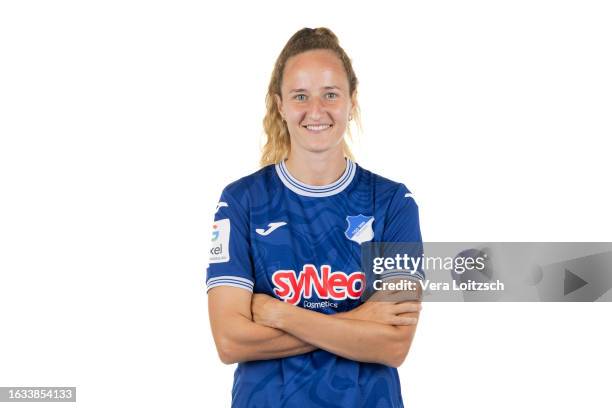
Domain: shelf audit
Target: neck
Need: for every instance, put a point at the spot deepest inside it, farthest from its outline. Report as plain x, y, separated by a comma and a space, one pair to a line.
316, 169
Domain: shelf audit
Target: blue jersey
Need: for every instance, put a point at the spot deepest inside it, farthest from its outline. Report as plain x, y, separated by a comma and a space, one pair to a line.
301, 243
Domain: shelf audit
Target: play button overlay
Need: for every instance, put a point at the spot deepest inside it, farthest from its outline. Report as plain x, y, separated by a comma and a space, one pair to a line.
583, 279
572, 282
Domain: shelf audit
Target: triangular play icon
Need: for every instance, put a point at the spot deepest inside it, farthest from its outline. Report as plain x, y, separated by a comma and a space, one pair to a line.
572, 282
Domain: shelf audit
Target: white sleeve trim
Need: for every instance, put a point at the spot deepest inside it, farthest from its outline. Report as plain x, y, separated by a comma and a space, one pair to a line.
402, 273
230, 280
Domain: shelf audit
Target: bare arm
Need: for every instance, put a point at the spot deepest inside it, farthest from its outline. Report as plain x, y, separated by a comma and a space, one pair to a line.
356, 335
238, 338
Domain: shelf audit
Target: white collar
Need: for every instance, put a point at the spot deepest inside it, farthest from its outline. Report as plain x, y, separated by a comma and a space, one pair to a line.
316, 191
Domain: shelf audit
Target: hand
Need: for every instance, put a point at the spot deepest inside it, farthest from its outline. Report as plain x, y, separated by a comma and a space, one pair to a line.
387, 312
266, 309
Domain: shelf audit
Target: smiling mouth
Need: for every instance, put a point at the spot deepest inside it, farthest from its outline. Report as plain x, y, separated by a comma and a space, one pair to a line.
317, 128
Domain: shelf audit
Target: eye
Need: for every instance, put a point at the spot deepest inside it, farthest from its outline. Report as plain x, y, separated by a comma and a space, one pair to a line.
300, 97
331, 95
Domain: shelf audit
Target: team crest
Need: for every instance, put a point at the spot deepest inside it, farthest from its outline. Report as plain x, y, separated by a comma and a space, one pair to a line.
359, 228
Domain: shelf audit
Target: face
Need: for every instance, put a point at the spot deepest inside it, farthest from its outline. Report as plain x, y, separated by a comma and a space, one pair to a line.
315, 100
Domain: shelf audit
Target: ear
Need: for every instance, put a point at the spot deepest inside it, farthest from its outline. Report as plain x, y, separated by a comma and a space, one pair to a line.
353, 103
279, 105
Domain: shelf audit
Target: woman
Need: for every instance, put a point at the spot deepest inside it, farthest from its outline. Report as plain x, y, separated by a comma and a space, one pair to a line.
285, 283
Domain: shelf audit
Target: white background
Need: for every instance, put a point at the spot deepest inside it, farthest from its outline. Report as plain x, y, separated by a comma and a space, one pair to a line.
121, 121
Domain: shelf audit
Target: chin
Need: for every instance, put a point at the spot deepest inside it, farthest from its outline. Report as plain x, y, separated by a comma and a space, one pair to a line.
320, 145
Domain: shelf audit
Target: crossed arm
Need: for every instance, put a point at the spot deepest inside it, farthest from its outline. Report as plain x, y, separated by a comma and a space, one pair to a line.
249, 326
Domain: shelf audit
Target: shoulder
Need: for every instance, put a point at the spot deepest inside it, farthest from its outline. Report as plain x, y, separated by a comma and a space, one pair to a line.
255, 181
249, 181
396, 208
384, 187
252, 185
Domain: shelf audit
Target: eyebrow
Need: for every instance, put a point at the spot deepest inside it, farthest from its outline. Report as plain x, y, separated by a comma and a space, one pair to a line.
305, 90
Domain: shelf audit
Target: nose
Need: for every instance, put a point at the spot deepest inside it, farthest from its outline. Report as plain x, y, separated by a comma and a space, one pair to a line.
315, 109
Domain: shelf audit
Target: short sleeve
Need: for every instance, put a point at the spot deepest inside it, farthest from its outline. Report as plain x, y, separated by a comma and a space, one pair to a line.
230, 261
402, 232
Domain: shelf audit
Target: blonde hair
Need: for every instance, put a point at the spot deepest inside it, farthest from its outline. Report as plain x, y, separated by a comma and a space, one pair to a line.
278, 144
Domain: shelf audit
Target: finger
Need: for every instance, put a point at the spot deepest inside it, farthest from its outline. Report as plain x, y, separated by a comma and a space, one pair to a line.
404, 321
407, 307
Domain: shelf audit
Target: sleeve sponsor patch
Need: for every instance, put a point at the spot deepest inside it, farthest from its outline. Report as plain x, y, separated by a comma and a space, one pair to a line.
219, 245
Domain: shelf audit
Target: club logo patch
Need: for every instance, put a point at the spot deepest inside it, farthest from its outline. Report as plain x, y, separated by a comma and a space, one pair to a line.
359, 228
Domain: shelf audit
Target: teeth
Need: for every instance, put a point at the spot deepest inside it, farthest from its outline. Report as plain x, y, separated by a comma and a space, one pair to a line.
317, 127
